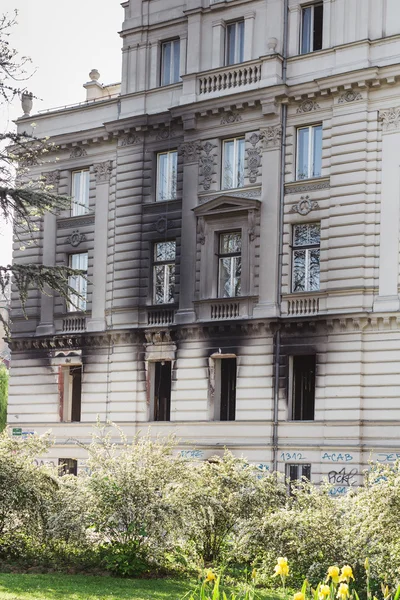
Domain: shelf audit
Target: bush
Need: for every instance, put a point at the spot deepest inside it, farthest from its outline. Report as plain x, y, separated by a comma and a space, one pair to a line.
3, 396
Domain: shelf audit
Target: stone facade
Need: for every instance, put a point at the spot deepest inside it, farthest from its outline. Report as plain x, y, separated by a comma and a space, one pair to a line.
348, 323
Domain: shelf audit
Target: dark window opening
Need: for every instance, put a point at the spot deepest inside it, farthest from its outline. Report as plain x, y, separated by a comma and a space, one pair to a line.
318, 23
303, 390
76, 396
68, 466
228, 389
162, 391
296, 473
311, 28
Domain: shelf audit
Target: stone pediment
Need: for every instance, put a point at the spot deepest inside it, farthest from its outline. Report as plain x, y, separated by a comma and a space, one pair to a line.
225, 203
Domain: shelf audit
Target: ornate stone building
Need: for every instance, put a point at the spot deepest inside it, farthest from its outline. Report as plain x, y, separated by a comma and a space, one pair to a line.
236, 207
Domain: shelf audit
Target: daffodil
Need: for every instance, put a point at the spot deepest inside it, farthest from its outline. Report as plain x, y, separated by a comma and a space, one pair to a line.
346, 574
333, 573
299, 596
366, 564
253, 573
282, 561
210, 576
343, 591
323, 591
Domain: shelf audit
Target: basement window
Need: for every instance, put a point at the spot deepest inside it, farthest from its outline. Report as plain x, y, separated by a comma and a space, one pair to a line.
71, 393
303, 388
296, 473
225, 389
67, 466
161, 391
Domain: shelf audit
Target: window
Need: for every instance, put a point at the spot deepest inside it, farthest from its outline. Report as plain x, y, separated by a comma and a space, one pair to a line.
234, 43
303, 388
170, 58
230, 264
233, 164
225, 389
297, 472
161, 396
311, 28
167, 169
78, 282
80, 193
67, 466
309, 152
71, 389
306, 257
164, 272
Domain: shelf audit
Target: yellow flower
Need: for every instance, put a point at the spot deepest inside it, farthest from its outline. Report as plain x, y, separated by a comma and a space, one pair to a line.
282, 561
346, 573
366, 564
323, 592
386, 592
281, 569
343, 591
333, 573
299, 596
253, 574
210, 576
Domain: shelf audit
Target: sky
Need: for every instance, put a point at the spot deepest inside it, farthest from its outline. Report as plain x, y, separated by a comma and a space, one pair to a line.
64, 40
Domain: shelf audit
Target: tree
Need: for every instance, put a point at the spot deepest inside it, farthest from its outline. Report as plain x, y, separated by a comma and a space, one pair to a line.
24, 201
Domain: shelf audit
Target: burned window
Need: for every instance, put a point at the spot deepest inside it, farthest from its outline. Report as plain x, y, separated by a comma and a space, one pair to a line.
303, 388
225, 389
68, 466
71, 394
161, 397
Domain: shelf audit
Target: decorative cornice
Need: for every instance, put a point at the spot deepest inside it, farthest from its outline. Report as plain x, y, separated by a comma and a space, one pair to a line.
166, 133
190, 151
71, 222
75, 238
77, 152
349, 96
307, 187
102, 171
304, 206
390, 118
307, 106
69, 342
231, 117
253, 193
130, 139
271, 136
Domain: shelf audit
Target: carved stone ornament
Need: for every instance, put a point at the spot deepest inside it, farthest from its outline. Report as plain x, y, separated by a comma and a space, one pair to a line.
190, 151
271, 136
253, 158
390, 118
75, 222
242, 194
103, 171
201, 235
207, 158
78, 152
349, 96
130, 139
76, 238
52, 178
307, 106
231, 117
166, 133
307, 187
304, 206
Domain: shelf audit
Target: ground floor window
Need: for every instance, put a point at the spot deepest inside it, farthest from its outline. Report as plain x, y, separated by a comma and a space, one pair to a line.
68, 466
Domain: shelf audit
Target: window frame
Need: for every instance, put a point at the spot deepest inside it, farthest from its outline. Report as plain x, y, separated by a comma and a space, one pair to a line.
231, 255
236, 147
237, 48
67, 466
310, 152
229, 408
80, 308
291, 388
156, 263
307, 248
169, 183
71, 397
304, 7
291, 482
172, 81
84, 208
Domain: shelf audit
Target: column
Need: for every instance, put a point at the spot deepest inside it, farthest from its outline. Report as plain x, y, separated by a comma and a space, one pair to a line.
186, 312
293, 30
269, 223
154, 65
182, 55
194, 43
218, 41
326, 34
46, 325
103, 173
388, 299
248, 35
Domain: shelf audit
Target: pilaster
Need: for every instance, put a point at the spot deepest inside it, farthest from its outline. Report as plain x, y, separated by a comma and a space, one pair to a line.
249, 19
218, 35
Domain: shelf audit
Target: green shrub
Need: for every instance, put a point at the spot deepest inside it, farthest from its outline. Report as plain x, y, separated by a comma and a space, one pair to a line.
3, 396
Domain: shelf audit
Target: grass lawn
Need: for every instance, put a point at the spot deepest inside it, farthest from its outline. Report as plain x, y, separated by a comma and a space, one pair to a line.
81, 587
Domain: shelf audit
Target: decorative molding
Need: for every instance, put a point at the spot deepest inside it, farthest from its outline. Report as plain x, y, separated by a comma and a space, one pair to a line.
271, 136
304, 206
76, 238
253, 193
201, 234
130, 139
103, 171
72, 222
162, 224
252, 225
207, 158
78, 152
158, 337
307, 106
231, 117
307, 187
349, 96
390, 118
166, 133
52, 178
253, 158
190, 151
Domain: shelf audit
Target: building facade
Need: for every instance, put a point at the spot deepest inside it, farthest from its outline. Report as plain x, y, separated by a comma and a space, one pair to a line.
236, 207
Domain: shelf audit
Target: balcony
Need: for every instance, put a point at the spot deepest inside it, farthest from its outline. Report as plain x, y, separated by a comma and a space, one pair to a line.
161, 315
225, 309
74, 324
245, 75
303, 305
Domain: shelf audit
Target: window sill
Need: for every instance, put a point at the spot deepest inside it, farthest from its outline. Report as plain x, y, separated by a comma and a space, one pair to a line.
307, 185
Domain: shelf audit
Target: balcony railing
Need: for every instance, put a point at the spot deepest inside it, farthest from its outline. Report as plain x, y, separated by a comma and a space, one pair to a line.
303, 305
160, 315
225, 309
74, 324
230, 78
